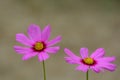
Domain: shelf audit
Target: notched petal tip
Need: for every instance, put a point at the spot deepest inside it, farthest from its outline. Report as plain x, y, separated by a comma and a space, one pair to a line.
84, 52
33, 28
108, 66
113, 58
66, 49
48, 26
112, 68
26, 57
71, 55
83, 68
34, 32
22, 50
98, 53
19, 36
54, 41
60, 37
43, 56
84, 48
23, 39
69, 60
46, 33
29, 55
68, 52
96, 70
109, 59
101, 49
33, 25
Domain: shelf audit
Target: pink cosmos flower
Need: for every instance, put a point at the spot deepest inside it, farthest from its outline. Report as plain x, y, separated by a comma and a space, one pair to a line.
36, 43
96, 61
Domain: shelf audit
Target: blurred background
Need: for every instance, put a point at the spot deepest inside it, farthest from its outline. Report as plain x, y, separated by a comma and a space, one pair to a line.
82, 23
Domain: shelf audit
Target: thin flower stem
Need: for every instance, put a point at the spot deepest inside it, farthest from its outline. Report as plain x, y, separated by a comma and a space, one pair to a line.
44, 70
87, 75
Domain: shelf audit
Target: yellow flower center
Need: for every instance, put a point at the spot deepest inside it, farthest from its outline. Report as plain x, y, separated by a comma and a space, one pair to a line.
88, 61
39, 46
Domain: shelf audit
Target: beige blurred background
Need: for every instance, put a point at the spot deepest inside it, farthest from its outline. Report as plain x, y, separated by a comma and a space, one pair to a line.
82, 23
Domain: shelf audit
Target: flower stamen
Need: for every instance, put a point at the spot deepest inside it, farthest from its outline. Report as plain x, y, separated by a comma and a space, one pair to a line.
88, 61
39, 46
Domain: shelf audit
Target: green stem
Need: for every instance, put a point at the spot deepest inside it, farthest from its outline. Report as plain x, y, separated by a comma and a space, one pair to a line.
87, 75
44, 70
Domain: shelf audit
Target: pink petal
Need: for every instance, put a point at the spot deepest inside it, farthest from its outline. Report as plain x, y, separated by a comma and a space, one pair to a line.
96, 69
52, 49
98, 53
34, 32
71, 54
71, 60
43, 56
46, 33
108, 66
84, 52
29, 55
22, 50
82, 67
106, 59
23, 39
54, 41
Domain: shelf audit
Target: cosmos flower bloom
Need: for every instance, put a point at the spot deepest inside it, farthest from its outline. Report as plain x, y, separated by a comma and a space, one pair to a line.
96, 61
36, 43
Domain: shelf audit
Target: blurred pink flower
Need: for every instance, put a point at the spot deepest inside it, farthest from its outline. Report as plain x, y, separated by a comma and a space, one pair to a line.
97, 62
37, 43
